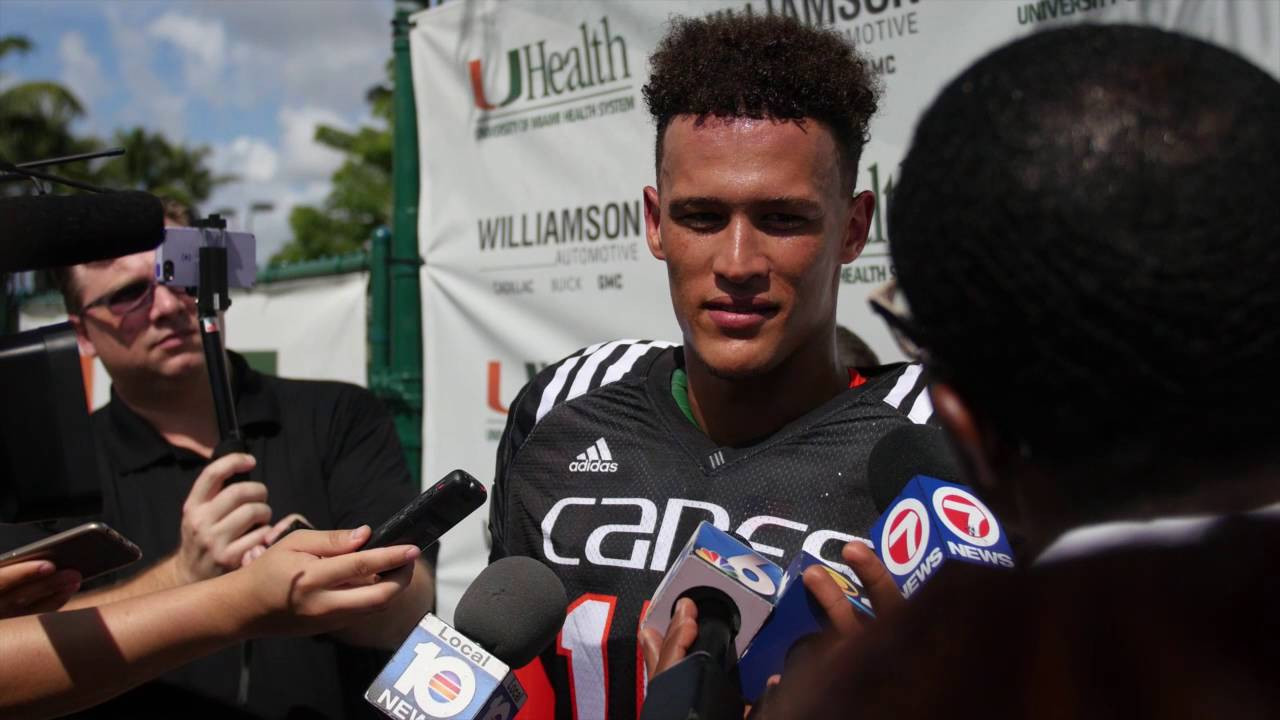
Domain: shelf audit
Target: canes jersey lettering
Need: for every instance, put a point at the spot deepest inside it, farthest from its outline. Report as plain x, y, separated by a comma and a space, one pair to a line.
602, 477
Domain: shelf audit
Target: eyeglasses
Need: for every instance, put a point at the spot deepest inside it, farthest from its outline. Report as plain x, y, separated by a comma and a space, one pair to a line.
137, 295
886, 302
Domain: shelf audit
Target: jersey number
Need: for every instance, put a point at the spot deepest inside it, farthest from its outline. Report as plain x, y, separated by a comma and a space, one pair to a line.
584, 643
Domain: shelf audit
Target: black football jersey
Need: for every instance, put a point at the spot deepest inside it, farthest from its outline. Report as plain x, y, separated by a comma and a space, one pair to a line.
602, 477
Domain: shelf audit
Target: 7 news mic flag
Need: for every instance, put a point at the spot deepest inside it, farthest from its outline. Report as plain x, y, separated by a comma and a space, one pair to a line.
932, 522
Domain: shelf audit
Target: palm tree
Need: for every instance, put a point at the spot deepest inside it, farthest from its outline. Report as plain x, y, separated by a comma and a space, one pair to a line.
35, 121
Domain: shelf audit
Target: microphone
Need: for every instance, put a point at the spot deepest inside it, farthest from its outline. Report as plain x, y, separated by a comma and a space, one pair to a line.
509, 614
796, 615
47, 231
927, 521
733, 588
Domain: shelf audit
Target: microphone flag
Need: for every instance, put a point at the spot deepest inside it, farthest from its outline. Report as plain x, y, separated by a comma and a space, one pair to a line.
932, 522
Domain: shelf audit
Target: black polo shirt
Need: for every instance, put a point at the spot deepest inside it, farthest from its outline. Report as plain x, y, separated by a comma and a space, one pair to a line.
327, 450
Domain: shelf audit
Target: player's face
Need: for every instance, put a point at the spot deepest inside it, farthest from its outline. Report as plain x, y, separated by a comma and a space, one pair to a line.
750, 217
156, 339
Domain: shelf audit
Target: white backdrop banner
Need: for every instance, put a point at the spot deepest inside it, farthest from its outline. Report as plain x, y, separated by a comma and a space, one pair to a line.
535, 145
311, 329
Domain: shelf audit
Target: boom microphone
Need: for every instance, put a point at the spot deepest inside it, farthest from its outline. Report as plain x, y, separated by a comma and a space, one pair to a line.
48, 231
931, 521
506, 617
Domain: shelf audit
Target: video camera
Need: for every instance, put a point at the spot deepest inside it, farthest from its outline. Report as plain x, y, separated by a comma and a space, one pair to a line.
48, 467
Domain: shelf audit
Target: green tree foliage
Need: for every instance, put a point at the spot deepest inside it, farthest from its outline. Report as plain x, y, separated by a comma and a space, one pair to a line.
35, 124
360, 199
35, 120
154, 164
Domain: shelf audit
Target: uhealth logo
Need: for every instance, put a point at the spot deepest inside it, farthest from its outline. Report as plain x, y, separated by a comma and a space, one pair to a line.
535, 72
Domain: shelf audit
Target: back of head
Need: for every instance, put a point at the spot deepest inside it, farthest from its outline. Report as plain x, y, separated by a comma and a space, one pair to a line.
763, 66
1087, 233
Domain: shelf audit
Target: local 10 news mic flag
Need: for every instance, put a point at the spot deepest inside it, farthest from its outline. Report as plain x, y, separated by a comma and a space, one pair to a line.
506, 617
926, 521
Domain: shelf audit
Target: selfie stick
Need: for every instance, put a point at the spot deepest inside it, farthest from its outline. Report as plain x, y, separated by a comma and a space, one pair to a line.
211, 300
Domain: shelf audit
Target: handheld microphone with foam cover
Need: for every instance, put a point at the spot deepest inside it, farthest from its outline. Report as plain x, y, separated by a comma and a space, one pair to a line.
733, 588
506, 617
48, 231
928, 521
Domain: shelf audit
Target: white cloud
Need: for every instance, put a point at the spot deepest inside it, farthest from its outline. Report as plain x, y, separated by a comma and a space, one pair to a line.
80, 69
202, 40
251, 159
151, 103
305, 158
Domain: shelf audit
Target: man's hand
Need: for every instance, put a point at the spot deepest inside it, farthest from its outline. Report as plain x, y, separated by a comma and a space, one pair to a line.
843, 621
313, 582
33, 587
661, 652
220, 524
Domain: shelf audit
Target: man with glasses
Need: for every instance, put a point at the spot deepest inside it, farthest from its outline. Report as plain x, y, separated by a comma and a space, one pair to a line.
611, 457
325, 451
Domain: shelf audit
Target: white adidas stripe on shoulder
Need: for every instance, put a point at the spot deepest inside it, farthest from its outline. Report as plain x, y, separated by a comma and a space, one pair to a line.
550, 392
910, 379
591, 360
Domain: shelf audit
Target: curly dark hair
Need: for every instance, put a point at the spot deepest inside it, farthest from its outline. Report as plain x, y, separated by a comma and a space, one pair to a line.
1087, 232
763, 66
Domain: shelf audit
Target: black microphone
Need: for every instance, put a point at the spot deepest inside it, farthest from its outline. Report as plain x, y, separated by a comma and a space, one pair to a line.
733, 588
509, 614
928, 520
46, 231
704, 685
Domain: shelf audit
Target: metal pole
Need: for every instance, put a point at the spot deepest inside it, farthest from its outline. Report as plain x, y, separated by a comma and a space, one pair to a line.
406, 296
378, 327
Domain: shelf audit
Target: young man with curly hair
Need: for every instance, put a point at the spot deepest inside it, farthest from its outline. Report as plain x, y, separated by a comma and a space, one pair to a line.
612, 456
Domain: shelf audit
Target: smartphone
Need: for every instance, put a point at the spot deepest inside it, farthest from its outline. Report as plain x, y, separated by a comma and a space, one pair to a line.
432, 513
178, 257
92, 549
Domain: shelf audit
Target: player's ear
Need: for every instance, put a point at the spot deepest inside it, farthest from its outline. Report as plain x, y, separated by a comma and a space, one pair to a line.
861, 209
653, 222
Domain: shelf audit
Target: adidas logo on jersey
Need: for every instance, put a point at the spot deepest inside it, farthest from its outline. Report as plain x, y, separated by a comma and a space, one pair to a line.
596, 458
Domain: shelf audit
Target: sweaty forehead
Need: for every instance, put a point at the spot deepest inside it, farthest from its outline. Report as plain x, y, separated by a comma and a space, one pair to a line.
744, 158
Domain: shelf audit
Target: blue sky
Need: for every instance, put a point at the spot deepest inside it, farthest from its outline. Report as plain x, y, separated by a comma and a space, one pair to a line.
248, 78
